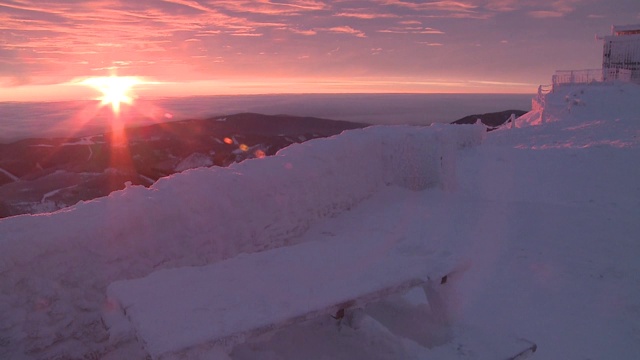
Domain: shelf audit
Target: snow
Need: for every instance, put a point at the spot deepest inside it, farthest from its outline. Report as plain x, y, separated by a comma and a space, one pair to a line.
67, 259
546, 214
194, 161
616, 28
287, 285
584, 103
81, 141
9, 175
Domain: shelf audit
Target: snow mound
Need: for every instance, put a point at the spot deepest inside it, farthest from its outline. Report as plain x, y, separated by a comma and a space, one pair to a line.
584, 102
54, 268
194, 161
285, 286
548, 214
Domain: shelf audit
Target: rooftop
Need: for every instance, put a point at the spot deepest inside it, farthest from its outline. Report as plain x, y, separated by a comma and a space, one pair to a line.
618, 30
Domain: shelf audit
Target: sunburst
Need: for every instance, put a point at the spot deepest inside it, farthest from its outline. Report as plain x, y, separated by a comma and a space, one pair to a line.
115, 90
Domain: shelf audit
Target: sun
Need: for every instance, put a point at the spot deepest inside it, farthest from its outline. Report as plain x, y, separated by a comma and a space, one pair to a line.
115, 90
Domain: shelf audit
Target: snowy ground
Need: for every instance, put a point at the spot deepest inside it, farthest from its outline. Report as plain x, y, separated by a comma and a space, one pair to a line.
546, 215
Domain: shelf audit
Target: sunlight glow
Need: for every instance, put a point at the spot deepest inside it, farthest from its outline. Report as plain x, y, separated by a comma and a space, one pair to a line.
115, 90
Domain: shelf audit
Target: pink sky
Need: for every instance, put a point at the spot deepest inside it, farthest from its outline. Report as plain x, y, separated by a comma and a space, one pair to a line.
189, 47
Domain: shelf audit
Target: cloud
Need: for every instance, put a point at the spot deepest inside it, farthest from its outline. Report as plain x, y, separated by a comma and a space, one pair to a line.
546, 14
45, 41
189, 3
410, 22
444, 5
367, 15
503, 5
247, 34
303, 32
268, 7
410, 27
439, 9
346, 30
554, 9
411, 30
486, 82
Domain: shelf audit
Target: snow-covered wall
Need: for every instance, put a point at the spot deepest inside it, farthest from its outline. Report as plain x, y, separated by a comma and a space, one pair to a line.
54, 268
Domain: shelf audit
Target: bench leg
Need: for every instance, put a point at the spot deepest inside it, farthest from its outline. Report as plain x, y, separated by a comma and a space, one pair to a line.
433, 290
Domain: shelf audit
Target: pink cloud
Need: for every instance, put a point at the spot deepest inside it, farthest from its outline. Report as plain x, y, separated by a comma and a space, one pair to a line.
303, 32
503, 5
411, 30
365, 15
546, 14
445, 5
346, 30
57, 41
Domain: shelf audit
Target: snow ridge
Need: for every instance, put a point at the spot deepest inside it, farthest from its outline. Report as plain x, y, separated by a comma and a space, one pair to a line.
54, 268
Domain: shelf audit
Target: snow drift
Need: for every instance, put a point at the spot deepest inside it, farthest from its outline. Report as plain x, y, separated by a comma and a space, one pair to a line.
583, 102
548, 213
54, 268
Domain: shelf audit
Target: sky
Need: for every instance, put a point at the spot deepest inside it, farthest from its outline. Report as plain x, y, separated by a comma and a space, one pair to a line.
200, 47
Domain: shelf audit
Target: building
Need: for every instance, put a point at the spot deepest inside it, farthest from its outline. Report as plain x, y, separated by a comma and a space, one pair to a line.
620, 61
621, 53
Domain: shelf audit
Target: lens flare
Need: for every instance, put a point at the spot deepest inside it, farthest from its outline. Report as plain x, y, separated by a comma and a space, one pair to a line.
115, 90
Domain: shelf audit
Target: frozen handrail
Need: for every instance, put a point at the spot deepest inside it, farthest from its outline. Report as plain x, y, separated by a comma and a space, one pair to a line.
577, 76
588, 76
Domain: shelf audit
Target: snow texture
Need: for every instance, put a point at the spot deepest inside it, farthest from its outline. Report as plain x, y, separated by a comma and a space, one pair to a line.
547, 214
172, 310
54, 268
194, 161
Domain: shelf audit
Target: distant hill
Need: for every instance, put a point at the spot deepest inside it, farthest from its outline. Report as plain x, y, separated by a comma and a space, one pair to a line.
491, 120
42, 175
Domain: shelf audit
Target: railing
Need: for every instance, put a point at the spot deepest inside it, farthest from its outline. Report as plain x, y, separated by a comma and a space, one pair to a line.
587, 76
590, 76
617, 74
577, 76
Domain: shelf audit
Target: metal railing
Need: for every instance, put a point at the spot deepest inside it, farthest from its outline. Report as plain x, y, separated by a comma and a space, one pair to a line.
577, 76
588, 76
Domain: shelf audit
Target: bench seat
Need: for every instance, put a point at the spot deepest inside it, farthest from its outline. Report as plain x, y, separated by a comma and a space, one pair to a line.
181, 312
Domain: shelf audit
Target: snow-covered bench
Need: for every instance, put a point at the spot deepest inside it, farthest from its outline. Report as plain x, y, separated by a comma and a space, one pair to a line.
193, 312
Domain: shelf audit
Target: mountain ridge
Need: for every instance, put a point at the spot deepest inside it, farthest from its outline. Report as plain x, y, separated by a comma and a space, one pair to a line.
491, 120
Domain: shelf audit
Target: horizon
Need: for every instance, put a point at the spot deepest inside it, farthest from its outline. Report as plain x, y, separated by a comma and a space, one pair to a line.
147, 89
160, 97
25, 119
201, 48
